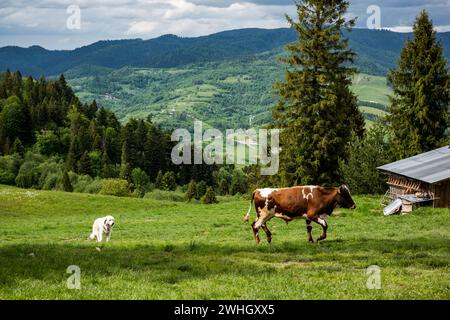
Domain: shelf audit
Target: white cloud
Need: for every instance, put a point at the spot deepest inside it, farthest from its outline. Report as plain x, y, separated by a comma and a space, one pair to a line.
403, 29
187, 19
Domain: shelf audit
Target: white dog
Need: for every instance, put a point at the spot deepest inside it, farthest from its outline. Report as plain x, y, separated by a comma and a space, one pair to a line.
102, 226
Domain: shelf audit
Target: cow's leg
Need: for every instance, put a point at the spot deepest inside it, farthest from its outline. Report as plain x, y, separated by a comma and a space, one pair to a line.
308, 230
268, 233
324, 225
255, 233
263, 216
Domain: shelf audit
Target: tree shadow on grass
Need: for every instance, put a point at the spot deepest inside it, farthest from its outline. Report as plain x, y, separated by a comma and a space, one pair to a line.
171, 263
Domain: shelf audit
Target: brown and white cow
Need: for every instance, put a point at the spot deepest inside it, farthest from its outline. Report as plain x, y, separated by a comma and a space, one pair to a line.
314, 203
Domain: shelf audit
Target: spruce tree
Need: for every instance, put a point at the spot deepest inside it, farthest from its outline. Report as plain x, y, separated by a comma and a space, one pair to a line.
191, 190
125, 168
159, 181
169, 181
67, 186
419, 106
18, 147
201, 190
317, 112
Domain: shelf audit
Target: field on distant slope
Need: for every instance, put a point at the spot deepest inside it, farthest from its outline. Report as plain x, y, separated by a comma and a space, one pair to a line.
371, 88
223, 95
175, 250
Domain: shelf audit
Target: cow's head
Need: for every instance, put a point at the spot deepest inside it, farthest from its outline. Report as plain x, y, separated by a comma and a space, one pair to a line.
344, 198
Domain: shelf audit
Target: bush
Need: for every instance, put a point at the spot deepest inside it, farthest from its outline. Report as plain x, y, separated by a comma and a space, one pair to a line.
79, 182
223, 181
169, 181
115, 187
140, 181
9, 168
159, 180
191, 190
210, 196
51, 182
165, 195
28, 175
49, 171
200, 190
94, 187
238, 182
7, 177
359, 171
47, 142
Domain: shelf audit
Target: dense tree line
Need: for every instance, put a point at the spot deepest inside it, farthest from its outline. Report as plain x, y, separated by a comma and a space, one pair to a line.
50, 140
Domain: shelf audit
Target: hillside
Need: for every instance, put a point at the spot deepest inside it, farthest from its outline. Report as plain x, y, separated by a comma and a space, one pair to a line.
224, 79
377, 51
224, 95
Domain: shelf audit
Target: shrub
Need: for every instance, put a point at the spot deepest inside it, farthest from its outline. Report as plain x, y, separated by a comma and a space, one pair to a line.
49, 171
210, 196
159, 180
165, 195
28, 175
169, 181
9, 167
50, 182
139, 177
115, 187
47, 142
200, 190
94, 187
80, 182
7, 177
238, 182
223, 181
359, 171
191, 190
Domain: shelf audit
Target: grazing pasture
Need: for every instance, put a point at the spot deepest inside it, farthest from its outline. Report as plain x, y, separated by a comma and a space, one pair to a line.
174, 250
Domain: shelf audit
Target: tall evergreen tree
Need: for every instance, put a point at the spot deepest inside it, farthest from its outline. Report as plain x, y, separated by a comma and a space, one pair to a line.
67, 186
125, 167
317, 111
419, 106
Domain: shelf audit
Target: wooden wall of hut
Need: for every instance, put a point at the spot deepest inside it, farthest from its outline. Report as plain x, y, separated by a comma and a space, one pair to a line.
442, 194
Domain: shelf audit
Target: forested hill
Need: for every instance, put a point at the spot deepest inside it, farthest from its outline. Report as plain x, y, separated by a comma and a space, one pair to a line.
377, 51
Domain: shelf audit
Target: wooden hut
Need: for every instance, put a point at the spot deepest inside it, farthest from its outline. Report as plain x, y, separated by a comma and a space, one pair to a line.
422, 179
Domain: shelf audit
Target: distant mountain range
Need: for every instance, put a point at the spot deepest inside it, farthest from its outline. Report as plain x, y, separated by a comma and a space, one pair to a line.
377, 51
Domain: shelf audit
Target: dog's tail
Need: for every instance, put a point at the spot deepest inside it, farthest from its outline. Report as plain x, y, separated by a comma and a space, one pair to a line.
92, 236
247, 215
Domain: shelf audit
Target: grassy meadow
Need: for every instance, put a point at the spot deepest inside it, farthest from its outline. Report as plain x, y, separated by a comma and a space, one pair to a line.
163, 249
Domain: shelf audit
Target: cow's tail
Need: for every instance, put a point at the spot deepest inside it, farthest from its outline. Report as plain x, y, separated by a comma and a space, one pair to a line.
247, 215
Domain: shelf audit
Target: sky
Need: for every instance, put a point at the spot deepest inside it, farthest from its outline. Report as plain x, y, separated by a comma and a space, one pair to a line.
68, 24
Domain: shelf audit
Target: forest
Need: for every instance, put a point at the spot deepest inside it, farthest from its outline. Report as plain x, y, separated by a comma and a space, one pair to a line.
50, 140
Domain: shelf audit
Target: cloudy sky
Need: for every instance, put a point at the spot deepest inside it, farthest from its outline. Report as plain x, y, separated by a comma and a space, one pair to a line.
53, 24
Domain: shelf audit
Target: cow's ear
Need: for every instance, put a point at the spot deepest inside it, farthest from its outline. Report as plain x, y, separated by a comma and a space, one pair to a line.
339, 190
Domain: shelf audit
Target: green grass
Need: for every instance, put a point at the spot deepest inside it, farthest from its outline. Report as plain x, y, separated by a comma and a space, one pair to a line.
175, 250
375, 111
371, 88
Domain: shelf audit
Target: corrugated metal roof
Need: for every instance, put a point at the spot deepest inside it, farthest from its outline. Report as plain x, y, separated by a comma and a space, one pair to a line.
432, 166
